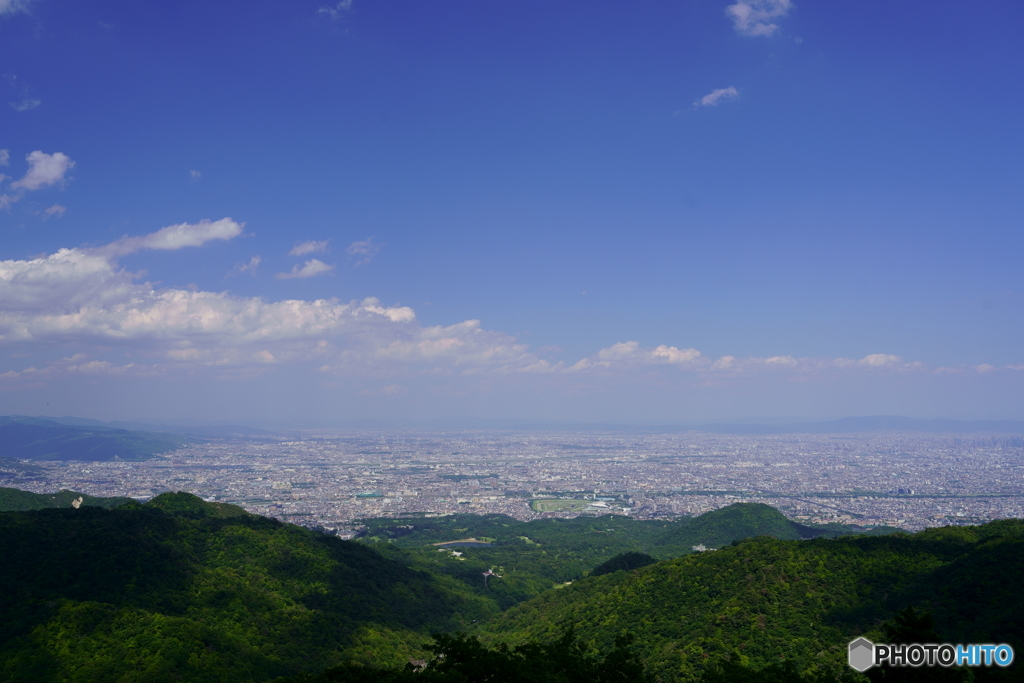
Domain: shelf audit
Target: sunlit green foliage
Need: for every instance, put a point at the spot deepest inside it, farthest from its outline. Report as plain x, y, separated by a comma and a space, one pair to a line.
13, 500
183, 590
762, 602
531, 557
179, 589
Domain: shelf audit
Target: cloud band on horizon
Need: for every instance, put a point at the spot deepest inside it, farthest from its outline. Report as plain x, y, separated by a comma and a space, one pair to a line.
81, 297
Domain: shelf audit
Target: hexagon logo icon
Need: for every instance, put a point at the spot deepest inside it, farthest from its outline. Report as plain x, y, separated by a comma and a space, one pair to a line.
861, 655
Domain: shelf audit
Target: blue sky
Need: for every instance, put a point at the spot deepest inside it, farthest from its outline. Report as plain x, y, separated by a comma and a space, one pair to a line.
592, 211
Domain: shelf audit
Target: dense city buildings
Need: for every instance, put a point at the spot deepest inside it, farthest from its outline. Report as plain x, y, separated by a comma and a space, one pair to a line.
907, 480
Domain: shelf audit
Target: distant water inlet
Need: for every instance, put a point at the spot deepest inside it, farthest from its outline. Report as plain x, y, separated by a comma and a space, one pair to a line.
463, 543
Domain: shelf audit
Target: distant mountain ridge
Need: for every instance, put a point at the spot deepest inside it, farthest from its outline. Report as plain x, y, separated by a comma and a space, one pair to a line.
32, 438
201, 430
661, 537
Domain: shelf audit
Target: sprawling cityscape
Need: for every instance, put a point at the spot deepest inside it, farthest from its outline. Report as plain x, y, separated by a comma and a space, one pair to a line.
911, 481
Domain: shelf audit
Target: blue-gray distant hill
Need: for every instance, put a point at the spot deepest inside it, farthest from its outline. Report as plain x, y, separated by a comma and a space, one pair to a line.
31, 438
203, 431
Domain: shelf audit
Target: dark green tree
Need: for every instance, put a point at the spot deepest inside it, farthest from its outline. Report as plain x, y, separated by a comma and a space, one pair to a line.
623, 561
910, 626
462, 658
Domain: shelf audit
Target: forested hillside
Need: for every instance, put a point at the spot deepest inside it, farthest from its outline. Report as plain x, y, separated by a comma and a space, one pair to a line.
183, 590
532, 557
179, 589
762, 601
13, 500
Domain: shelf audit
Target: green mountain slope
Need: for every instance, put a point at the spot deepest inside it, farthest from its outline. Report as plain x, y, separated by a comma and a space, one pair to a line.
183, 590
725, 525
764, 600
29, 438
531, 557
15, 500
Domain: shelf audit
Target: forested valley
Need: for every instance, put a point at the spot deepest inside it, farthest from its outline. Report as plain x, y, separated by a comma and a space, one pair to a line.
178, 589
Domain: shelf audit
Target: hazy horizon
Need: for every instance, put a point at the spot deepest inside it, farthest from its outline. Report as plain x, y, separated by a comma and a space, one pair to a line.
397, 426
603, 214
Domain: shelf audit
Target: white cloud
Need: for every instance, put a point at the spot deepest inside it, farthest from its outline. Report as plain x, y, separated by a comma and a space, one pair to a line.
756, 17
195, 175
81, 294
176, 236
776, 361
43, 170
5, 157
877, 360
76, 364
310, 247
82, 298
13, 6
249, 267
338, 11
311, 268
630, 355
25, 104
363, 251
716, 96
55, 210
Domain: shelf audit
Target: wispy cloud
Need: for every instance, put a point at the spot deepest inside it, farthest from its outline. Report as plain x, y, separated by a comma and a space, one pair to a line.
757, 17
176, 237
25, 104
310, 247
249, 267
716, 96
71, 365
363, 251
389, 390
195, 175
630, 355
310, 268
13, 6
55, 210
5, 157
337, 11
